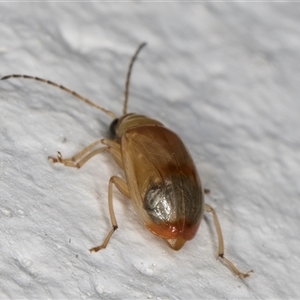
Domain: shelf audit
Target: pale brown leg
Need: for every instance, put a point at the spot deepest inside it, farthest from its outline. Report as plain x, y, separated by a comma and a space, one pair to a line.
122, 187
221, 256
115, 151
80, 159
111, 144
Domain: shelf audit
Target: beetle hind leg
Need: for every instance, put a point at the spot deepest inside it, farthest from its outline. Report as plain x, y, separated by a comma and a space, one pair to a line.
221, 256
123, 188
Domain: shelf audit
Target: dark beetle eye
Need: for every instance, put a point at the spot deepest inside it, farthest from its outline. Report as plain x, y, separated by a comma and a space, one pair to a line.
112, 127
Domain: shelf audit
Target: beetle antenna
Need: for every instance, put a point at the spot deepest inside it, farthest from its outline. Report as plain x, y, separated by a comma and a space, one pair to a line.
111, 114
126, 93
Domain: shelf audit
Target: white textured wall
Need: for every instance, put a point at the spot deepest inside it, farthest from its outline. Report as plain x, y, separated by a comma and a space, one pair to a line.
225, 77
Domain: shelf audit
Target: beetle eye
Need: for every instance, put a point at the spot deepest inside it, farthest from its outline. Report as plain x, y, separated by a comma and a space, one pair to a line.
112, 127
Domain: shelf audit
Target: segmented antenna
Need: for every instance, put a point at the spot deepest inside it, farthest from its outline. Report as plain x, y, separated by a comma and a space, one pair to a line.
126, 92
111, 114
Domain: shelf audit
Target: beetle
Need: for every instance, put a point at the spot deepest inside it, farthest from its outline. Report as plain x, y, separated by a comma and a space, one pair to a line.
161, 178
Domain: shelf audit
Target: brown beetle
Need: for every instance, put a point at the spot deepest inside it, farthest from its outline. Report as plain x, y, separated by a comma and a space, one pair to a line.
161, 177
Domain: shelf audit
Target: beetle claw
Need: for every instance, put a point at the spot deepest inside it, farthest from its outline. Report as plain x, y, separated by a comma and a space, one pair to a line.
67, 162
245, 275
57, 159
96, 249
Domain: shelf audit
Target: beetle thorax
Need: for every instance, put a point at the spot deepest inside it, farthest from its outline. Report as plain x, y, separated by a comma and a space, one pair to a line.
128, 121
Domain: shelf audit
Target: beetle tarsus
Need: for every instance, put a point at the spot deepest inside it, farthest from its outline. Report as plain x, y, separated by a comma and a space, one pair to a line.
57, 159
103, 246
96, 249
221, 256
66, 162
233, 268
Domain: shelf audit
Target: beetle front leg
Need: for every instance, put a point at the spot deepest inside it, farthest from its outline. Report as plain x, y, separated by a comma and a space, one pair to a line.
123, 188
79, 159
221, 256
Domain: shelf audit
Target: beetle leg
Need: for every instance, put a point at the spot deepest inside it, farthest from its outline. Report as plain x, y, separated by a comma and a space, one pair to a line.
77, 161
71, 162
111, 144
115, 151
221, 256
123, 188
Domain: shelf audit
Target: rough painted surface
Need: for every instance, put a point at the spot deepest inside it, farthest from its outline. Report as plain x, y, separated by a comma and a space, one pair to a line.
225, 77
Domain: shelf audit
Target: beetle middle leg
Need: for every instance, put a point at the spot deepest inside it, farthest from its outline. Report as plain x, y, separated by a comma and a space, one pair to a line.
123, 188
221, 256
82, 157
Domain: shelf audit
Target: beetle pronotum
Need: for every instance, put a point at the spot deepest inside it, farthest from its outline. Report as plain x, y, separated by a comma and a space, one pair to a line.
161, 177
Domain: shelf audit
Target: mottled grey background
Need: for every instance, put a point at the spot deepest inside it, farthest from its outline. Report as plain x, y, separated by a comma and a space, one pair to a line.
224, 76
